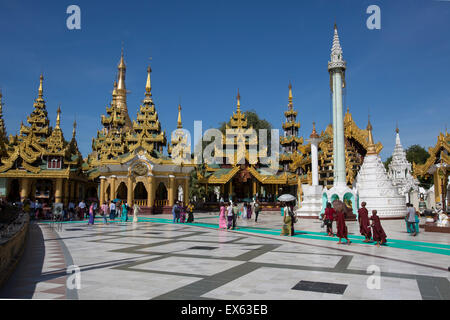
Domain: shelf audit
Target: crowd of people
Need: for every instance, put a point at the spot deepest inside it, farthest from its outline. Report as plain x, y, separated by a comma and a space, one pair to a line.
179, 212
43, 210
231, 212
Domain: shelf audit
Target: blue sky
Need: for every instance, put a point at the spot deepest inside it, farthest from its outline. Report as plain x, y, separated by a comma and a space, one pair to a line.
203, 51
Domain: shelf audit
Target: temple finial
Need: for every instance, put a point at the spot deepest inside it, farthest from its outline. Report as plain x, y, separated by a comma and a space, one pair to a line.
148, 85
121, 76
179, 123
238, 97
314, 132
290, 95
371, 145
41, 90
74, 131
396, 128
58, 118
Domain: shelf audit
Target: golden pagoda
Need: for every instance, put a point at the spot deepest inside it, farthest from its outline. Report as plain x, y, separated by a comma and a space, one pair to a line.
39, 163
290, 140
127, 159
240, 174
437, 166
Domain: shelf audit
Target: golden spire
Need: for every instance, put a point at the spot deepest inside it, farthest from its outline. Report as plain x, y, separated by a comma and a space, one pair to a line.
396, 128
121, 77
238, 101
148, 86
290, 95
74, 131
58, 118
371, 147
179, 124
314, 132
41, 90
114, 93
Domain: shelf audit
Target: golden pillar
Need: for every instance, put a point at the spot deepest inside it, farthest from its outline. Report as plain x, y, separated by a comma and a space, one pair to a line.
186, 191
130, 192
230, 189
24, 188
276, 190
66, 192
151, 191
76, 190
254, 188
58, 190
113, 187
171, 193
102, 190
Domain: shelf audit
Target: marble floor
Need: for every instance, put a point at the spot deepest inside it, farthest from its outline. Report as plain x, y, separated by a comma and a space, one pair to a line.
157, 259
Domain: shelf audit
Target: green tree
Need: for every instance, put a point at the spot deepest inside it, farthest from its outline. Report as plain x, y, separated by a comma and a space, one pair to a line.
387, 162
417, 154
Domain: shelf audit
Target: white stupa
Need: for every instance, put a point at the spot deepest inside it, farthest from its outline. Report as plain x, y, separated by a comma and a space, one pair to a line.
400, 171
376, 188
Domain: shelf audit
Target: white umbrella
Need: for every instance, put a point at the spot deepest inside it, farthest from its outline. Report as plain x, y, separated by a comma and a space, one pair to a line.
286, 198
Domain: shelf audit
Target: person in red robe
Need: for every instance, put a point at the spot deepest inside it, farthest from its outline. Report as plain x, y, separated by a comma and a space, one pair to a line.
378, 233
328, 218
364, 222
339, 206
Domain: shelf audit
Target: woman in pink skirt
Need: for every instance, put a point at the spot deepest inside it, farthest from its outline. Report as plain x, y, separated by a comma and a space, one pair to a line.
222, 217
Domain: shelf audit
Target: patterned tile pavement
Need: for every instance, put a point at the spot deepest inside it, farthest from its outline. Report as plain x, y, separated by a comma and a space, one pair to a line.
156, 259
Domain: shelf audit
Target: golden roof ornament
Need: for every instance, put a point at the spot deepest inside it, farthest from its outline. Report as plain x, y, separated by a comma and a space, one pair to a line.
314, 132
179, 123
148, 86
58, 118
41, 90
121, 76
290, 95
74, 131
238, 97
371, 146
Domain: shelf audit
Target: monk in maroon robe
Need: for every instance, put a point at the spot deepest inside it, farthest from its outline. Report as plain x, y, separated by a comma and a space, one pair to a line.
339, 206
378, 233
364, 222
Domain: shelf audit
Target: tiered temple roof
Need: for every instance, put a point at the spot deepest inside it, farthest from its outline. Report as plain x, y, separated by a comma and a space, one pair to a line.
119, 139
290, 140
40, 150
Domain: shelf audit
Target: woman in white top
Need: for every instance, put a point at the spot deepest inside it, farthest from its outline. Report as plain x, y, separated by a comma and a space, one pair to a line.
229, 216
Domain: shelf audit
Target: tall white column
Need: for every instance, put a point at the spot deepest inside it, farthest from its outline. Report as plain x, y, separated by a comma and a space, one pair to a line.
336, 68
339, 156
314, 162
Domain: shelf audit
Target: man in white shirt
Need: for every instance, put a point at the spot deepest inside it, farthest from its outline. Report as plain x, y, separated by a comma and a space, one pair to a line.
112, 211
411, 218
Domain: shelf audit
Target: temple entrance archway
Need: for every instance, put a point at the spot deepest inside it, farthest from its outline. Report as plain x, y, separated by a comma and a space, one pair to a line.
92, 193
140, 192
107, 193
161, 195
122, 191
44, 190
14, 191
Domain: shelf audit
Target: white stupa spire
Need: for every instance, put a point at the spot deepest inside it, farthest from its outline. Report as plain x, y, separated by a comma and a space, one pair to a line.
376, 189
399, 170
336, 57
